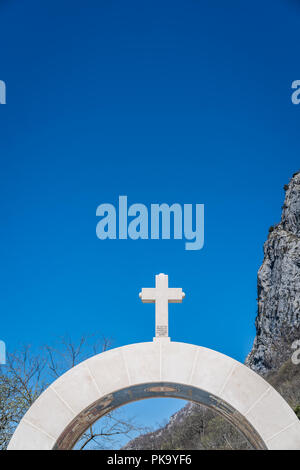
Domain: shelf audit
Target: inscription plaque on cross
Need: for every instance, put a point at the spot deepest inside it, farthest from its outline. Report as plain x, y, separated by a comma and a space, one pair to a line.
161, 295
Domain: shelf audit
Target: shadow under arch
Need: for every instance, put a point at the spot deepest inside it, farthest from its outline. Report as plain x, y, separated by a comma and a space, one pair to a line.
110, 402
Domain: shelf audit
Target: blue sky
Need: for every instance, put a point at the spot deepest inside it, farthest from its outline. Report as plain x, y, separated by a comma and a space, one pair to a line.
171, 101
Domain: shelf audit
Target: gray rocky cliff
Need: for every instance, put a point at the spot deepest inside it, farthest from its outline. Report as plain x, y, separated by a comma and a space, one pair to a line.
278, 287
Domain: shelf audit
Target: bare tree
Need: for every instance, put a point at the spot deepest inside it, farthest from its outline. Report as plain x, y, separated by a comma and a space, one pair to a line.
106, 430
20, 384
27, 374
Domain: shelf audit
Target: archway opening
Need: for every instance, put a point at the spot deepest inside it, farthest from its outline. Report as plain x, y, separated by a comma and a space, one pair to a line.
131, 425
113, 401
162, 424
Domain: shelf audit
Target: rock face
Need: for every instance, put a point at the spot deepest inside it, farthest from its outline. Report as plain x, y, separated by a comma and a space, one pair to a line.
278, 287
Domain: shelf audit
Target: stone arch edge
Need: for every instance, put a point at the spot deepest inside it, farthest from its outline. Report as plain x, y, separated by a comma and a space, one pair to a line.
158, 362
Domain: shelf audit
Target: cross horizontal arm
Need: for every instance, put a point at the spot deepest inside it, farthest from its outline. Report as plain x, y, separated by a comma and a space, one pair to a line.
147, 295
175, 295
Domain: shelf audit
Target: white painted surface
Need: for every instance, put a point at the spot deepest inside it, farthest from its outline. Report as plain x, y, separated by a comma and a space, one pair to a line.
158, 361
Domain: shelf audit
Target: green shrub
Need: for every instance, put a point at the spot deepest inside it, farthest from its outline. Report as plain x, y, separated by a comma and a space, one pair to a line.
297, 411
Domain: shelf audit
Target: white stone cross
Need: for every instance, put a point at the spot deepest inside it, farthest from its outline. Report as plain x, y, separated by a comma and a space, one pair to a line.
161, 295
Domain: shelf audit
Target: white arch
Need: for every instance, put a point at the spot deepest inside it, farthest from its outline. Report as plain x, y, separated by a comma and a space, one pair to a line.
159, 368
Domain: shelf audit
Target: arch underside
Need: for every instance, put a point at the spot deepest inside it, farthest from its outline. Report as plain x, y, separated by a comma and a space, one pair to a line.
110, 402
